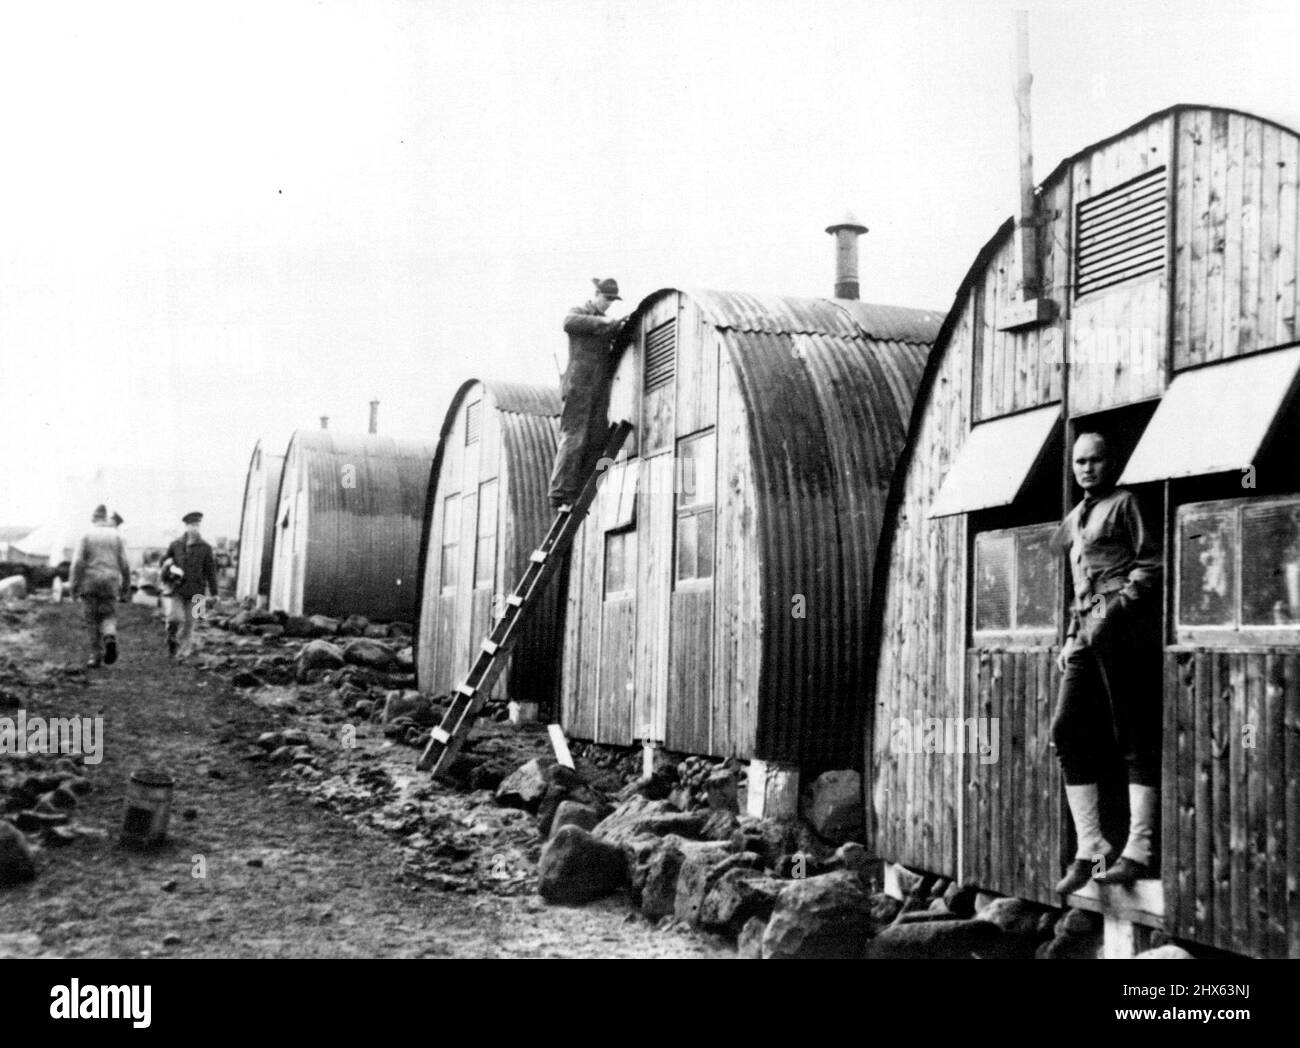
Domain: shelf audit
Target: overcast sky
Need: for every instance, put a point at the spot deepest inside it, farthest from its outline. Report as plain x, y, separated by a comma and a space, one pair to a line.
219, 221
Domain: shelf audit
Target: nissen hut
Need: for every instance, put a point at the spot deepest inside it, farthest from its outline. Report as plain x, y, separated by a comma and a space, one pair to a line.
717, 592
487, 510
257, 525
348, 523
1153, 299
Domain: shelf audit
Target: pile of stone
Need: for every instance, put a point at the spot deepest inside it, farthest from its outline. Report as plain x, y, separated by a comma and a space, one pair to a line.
277, 624
38, 799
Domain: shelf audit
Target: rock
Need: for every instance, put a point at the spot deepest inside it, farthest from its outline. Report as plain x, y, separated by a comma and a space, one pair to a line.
320, 655
270, 740
933, 939
400, 629
982, 899
486, 776
771, 838
703, 863
833, 805
405, 660
1168, 952
1015, 917
737, 896
271, 631
294, 737
571, 813
576, 867
749, 944
720, 790
61, 799
79, 785
247, 679
409, 704
353, 626
720, 826
60, 836
1071, 948
525, 786
884, 908
16, 865
172, 939
322, 625
260, 617
960, 899
939, 887
297, 626
852, 857
13, 588
361, 651
375, 632
1077, 922
659, 890
827, 916
679, 797
638, 817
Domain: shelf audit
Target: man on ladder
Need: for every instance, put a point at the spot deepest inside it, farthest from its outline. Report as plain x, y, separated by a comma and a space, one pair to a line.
585, 389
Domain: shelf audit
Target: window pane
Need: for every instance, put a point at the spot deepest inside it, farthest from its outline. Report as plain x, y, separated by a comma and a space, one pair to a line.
449, 559
993, 553
1270, 564
686, 547
1205, 582
451, 518
485, 559
695, 470
487, 508
1038, 589
704, 545
615, 562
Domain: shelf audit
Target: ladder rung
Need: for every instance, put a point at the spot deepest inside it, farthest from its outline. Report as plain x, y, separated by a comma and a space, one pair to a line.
466, 690
514, 600
440, 734
538, 557
490, 647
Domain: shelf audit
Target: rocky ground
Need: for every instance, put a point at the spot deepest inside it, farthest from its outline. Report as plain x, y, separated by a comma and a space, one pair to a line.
300, 826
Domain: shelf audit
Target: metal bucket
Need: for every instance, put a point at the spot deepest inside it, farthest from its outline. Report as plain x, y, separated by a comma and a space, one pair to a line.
148, 806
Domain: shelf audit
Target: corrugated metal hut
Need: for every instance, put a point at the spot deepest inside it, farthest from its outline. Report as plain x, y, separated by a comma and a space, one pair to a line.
717, 593
486, 511
257, 524
1169, 262
348, 521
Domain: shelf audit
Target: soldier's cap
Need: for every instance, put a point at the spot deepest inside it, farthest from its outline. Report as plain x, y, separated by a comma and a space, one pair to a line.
192, 518
117, 519
100, 513
607, 286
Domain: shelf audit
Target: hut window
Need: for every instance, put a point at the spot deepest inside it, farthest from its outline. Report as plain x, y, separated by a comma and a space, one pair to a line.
450, 543
1239, 569
660, 355
620, 564
485, 542
473, 421
696, 459
1121, 233
1017, 582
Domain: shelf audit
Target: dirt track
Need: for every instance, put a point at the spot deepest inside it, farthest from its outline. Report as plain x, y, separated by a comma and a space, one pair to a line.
282, 877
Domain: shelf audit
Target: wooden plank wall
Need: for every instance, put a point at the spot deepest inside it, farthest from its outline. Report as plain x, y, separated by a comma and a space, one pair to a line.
654, 565
1118, 335
923, 629
1235, 237
1022, 369
1231, 832
1012, 815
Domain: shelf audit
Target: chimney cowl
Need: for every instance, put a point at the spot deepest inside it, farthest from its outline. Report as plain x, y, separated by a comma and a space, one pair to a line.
846, 232
849, 221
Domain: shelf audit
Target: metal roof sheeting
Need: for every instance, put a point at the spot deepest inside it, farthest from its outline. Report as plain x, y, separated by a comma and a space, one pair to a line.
363, 538
786, 315
253, 581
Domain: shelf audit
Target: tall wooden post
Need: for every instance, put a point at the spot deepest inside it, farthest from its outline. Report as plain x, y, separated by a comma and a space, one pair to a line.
1030, 277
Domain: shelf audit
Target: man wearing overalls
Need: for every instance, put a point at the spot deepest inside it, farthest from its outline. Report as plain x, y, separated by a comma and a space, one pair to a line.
1110, 697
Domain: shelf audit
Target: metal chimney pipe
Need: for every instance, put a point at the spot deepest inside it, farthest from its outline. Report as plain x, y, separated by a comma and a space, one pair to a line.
846, 232
374, 416
324, 422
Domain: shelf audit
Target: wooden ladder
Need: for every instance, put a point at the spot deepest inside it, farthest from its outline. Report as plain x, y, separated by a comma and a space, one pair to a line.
472, 693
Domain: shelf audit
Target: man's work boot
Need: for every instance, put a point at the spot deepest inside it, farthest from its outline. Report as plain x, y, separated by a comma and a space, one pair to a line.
173, 644
1085, 810
1135, 862
110, 650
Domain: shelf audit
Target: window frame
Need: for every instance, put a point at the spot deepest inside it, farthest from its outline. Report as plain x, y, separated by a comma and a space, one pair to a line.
480, 535
626, 536
444, 586
1013, 635
683, 511
1239, 634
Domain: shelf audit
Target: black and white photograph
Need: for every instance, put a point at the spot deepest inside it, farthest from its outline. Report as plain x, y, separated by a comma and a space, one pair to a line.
650, 479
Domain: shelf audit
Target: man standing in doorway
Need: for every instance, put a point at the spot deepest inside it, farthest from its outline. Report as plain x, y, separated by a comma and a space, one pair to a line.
1110, 697
100, 575
584, 389
188, 569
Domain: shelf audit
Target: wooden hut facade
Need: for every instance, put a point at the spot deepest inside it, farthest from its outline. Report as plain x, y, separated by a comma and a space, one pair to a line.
1169, 274
486, 511
257, 525
717, 592
348, 520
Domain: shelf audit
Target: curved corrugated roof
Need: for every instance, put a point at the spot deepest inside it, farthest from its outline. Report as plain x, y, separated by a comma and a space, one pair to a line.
788, 315
273, 466
520, 399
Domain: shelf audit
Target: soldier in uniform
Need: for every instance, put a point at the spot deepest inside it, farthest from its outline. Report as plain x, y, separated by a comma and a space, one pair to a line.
1110, 697
188, 568
100, 576
584, 389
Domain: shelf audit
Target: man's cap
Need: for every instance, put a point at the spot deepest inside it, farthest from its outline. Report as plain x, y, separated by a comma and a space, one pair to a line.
192, 518
100, 513
607, 286
117, 519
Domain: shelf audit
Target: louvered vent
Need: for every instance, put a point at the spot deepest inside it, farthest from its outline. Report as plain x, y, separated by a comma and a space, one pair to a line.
1121, 233
660, 355
473, 421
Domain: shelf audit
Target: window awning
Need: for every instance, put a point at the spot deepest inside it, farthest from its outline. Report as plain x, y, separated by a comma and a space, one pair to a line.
995, 462
1213, 419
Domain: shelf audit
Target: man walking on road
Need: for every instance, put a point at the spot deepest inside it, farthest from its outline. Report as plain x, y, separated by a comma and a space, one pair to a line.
100, 576
584, 389
187, 570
